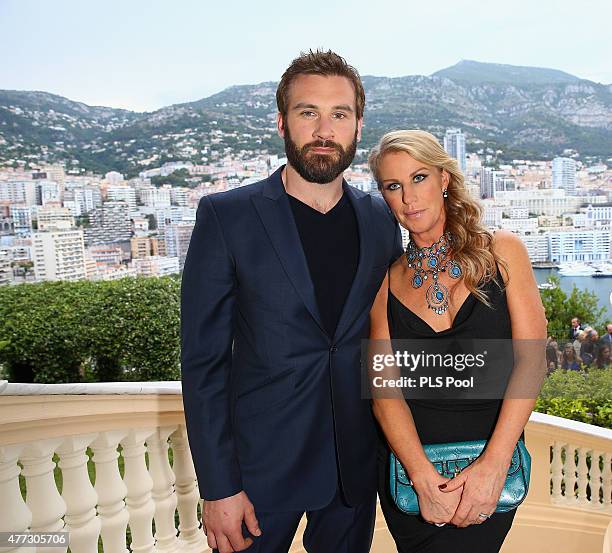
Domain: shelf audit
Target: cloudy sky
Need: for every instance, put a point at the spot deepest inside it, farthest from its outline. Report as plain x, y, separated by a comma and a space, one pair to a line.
145, 54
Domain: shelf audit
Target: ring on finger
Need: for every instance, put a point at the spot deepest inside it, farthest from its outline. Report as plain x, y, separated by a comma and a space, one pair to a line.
440, 524
484, 516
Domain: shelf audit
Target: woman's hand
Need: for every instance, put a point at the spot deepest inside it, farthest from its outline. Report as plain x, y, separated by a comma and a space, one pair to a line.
482, 483
436, 507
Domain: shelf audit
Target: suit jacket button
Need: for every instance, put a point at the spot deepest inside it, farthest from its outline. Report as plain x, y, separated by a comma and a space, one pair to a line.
333, 349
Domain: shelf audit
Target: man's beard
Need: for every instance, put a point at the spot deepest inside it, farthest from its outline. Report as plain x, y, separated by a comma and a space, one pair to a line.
319, 168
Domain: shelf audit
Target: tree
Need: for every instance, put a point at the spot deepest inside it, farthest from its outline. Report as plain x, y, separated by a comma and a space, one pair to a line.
561, 308
176, 178
152, 221
83, 221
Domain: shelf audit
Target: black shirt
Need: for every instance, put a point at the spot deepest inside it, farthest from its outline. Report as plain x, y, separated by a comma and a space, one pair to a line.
331, 246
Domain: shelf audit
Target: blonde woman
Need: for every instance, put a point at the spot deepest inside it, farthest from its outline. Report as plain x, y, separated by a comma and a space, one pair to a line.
487, 291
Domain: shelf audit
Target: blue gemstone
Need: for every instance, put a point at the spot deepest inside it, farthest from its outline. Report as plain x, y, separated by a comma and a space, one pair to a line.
433, 261
439, 295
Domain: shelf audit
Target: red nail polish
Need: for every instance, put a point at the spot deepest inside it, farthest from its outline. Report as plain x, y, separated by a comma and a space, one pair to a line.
442, 486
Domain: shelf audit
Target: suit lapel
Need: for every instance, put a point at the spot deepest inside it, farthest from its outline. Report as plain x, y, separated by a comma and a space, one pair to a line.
275, 214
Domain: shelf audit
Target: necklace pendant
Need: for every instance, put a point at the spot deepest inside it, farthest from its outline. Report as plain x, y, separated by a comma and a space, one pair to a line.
417, 281
437, 298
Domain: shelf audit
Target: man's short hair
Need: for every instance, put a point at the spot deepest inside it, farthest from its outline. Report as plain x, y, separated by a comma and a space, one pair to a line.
319, 63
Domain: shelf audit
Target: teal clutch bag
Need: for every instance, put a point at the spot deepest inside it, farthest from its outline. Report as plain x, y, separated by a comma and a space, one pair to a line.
449, 460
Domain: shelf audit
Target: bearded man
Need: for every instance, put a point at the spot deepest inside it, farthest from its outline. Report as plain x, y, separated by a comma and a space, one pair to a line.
276, 292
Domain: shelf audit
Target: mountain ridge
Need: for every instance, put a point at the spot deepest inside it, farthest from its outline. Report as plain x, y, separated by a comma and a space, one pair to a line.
538, 118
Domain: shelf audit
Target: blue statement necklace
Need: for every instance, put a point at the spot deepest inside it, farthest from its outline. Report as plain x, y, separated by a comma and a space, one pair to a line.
430, 261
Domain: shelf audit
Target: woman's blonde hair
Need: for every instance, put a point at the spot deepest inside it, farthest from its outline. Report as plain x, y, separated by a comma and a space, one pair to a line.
472, 244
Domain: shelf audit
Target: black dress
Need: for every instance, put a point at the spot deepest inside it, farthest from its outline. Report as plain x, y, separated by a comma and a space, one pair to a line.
440, 422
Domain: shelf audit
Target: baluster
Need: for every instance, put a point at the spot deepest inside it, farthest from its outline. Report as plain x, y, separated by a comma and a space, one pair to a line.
111, 491
556, 471
14, 515
583, 474
163, 490
139, 485
606, 478
595, 478
79, 494
187, 492
570, 473
42, 497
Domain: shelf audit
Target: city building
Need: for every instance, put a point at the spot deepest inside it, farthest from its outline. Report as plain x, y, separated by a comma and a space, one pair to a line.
113, 273
492, 214
58, 255
82, 199
21, 217
6, 273
106, 254
553, 202
52, 217
598, 215
177, 240
173, 216
564, 174
109, 223
454, 144
113, 178
579, 245
487, 185
156, 265
19, 192
140, 225
144, 246
527, 224
180, 196
122, 194
155, 197
6, 221
47, 191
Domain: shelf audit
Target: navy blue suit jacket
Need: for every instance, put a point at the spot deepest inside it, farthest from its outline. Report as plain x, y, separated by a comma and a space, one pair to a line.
272, 402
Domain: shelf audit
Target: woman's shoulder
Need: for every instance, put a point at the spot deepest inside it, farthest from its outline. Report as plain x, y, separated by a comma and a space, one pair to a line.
508, 247
506, 243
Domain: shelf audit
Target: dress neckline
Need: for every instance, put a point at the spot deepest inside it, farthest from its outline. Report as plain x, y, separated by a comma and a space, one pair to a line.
466, 301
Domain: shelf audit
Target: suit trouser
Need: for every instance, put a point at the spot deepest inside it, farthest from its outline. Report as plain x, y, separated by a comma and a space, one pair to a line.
336, 528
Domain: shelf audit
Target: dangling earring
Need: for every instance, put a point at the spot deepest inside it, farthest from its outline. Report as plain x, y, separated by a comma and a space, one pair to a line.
445, 193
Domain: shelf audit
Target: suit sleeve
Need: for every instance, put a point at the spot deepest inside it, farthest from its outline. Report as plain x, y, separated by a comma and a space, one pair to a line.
397, 242
208, 296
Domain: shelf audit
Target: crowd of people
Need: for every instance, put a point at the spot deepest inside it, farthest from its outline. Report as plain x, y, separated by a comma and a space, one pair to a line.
583, 348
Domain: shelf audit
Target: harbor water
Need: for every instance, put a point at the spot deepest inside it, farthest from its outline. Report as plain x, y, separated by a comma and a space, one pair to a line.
601, 286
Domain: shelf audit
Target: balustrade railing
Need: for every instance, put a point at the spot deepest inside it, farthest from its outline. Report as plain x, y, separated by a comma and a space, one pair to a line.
110, 464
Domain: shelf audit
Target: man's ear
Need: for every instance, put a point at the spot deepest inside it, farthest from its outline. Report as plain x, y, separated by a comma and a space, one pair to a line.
280, 125
359, 127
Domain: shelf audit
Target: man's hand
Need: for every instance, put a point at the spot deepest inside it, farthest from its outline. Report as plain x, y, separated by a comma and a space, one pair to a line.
223, 523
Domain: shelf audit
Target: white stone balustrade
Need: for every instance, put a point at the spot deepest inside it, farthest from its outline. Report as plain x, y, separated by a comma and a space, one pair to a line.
134, 427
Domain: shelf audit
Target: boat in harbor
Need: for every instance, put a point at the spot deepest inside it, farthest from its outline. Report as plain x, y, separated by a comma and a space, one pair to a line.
576, 268
603, 270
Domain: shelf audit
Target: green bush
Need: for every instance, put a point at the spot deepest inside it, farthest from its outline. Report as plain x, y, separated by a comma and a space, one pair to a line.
578, 395
127, 329
41, 331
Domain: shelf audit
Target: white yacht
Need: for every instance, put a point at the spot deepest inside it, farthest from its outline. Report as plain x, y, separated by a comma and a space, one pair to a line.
603, 270
575, 268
